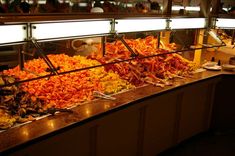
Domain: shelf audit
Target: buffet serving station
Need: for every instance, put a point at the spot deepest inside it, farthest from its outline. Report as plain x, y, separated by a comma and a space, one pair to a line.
141, 120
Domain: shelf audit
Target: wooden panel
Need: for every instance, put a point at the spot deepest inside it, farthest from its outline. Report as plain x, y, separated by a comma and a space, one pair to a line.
209, 105
72, 142
224, 106
195, 110
160, 123
117, 134
145, 128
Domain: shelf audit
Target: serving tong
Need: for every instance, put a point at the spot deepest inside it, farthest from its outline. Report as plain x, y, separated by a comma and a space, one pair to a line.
156, 84
103, 96
53, 111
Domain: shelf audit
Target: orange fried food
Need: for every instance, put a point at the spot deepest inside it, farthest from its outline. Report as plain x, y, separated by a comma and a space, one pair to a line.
155, 69
67, 90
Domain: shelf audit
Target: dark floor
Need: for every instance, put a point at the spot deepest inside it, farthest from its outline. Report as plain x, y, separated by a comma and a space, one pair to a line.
220, 143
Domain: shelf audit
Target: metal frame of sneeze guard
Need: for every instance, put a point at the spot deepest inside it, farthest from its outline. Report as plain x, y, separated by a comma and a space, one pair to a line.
13, 34
66, 29
112, 27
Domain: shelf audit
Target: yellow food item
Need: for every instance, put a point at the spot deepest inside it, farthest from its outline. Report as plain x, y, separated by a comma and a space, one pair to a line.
69, 89
6, 121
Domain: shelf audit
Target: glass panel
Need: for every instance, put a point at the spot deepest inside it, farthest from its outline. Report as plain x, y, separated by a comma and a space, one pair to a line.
183, 38
227, 36
8, 57
150, 62
142, 44
222, 54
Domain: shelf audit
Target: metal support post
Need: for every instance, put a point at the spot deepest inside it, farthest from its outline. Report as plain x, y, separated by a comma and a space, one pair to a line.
103, 43
233, 38
167, 4
21, 57
158, 39
197, 54
133, 54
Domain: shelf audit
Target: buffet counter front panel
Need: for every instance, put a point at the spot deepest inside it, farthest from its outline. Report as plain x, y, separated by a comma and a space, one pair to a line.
143, 121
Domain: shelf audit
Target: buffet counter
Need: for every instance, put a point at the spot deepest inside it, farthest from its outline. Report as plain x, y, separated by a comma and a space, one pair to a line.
84, 121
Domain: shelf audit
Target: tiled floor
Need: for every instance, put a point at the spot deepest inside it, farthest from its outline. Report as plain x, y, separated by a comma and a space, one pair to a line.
207, 144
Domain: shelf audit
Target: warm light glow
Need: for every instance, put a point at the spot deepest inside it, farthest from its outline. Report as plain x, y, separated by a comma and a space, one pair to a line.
82, 4
195, 8
129, 5
51, 124
135, 25
187, 23
225, 23
39, 2
226, 9
177, 8
12, 34
25, 133
63, 1
88, 112
70, 29
187, 8
106, 106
